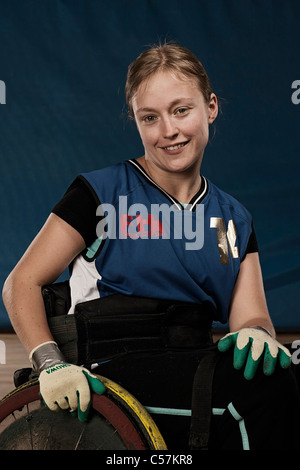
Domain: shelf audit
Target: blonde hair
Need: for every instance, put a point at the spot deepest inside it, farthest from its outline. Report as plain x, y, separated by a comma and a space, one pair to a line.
167, 56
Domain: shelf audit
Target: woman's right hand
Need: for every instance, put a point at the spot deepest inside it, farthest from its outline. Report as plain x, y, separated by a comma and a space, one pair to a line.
64, 386
68, 387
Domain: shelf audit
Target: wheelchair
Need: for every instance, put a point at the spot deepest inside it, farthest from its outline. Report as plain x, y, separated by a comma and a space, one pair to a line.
117, 421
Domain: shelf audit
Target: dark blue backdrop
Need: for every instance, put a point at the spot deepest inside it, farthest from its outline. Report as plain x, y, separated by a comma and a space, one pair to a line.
64, 64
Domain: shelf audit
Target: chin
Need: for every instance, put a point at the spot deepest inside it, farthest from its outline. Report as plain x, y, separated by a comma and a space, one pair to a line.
184, 167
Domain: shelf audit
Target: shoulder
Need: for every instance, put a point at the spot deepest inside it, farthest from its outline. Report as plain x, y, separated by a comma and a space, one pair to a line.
107, 173
109, 182
227, 202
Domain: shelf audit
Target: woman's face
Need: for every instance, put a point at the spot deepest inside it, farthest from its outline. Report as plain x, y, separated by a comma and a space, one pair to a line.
173, 120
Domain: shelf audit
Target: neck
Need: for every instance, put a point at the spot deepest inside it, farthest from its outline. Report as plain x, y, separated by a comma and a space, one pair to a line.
181, 185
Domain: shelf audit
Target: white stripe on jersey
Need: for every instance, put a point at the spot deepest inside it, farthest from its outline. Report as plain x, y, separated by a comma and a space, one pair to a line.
83, 282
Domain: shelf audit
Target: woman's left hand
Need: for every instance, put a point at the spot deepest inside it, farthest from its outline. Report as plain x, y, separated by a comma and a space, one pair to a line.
250, 346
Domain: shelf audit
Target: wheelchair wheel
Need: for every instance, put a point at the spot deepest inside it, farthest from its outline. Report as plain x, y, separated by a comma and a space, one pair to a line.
117, 421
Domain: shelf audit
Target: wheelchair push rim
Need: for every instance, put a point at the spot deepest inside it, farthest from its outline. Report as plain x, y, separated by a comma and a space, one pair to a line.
117, 409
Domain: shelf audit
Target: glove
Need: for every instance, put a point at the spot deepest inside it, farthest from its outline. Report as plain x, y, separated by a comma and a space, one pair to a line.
62, 385
67, 387
250, 346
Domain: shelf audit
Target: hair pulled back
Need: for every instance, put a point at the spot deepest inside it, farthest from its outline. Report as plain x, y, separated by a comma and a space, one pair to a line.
165, 57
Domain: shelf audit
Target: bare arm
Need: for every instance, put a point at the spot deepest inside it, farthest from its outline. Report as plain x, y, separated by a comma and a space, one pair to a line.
56, 245
249, 306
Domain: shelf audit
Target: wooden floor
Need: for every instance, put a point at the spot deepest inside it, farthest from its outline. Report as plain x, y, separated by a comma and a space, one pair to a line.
17, 358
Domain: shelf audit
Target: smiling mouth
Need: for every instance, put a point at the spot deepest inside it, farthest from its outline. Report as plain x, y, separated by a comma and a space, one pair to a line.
175, 147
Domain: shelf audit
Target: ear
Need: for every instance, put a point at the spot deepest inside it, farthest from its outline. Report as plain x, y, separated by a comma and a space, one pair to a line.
213, 108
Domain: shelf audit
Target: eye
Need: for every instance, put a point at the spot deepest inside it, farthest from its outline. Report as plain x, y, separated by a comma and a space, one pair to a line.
149, 119
181, 111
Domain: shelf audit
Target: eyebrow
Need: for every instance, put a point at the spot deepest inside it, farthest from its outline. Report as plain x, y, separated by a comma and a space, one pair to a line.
172, 104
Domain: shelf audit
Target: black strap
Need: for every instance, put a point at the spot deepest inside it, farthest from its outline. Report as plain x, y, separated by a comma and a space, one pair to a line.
119, 324
202, 402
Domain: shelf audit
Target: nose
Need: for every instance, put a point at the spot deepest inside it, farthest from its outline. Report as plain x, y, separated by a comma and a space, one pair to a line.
169, 128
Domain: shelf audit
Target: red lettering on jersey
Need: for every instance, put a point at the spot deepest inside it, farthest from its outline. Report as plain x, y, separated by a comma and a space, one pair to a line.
137, 227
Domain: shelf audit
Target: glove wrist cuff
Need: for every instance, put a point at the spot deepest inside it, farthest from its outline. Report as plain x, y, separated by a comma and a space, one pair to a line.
46, 355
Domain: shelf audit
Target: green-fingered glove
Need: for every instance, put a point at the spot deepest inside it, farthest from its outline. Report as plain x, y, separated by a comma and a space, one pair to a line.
68, 387
251, 345
62, 385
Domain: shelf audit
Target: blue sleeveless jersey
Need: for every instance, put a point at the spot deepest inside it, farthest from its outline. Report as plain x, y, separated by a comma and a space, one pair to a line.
155, 247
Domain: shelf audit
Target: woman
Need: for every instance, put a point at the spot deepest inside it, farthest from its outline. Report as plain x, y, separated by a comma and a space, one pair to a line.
171, 100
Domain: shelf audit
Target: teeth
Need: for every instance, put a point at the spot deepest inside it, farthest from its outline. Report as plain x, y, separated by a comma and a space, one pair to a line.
174, 147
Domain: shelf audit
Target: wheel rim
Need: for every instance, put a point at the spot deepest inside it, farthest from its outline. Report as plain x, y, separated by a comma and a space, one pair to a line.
116, 414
